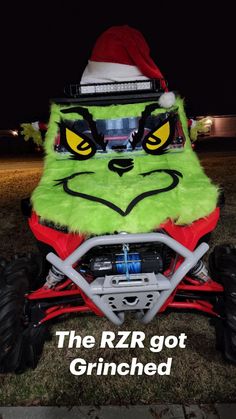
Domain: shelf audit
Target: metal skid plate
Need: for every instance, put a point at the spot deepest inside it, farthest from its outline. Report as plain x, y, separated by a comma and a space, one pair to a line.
131, 301
138, 292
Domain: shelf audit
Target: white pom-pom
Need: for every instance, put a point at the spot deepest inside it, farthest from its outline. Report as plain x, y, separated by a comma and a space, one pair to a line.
167, 100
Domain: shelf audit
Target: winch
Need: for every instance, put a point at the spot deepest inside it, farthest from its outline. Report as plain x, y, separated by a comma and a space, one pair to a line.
129, 261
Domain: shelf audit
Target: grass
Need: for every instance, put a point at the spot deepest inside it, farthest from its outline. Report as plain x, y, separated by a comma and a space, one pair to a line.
198, 373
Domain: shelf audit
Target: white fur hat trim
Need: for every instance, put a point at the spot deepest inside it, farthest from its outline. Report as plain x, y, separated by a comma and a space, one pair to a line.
167, 100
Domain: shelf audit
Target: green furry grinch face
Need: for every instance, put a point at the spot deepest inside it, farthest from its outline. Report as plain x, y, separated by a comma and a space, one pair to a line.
118, 168
112, 140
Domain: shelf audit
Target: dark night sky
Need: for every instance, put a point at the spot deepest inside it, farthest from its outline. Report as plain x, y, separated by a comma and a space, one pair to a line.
46, 47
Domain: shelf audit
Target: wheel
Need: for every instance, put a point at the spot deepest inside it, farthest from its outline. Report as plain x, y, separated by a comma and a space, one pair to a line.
34, 267
21, 344
229, 345
3, 264
222, 263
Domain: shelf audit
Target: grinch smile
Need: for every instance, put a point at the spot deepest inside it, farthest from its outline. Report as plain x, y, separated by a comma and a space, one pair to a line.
173, 174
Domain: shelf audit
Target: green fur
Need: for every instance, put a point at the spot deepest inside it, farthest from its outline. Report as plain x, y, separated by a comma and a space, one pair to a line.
193, 198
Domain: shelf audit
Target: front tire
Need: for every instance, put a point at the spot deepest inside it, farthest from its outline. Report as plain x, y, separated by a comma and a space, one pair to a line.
222, 263
21, 343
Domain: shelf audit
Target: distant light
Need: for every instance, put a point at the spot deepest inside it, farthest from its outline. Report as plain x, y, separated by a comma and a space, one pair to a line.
14, 132
209, 120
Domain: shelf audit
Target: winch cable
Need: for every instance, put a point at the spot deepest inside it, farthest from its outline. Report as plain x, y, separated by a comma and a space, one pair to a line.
130, 262
125, 250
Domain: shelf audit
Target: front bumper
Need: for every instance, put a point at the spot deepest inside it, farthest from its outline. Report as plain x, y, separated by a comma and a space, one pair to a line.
143, 293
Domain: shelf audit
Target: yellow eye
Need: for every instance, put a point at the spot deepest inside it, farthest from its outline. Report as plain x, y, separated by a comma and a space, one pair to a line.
81, 146
158, 139
77, 143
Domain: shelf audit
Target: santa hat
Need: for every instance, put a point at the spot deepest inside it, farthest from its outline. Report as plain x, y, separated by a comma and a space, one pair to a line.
122, 54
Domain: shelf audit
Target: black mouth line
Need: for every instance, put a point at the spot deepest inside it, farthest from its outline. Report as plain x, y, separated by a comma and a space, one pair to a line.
175, 174
168, 171
65, 179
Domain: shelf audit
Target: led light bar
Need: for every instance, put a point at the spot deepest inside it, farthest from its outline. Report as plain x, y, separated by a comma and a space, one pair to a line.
78, 90
115, 87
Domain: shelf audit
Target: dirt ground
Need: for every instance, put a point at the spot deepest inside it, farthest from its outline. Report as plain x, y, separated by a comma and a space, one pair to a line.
198, 374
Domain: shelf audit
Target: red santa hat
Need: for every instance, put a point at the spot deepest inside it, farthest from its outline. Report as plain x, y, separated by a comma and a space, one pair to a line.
122, 54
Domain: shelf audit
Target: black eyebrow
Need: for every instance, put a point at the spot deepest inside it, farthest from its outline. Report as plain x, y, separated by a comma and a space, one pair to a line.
98, 137
137, 136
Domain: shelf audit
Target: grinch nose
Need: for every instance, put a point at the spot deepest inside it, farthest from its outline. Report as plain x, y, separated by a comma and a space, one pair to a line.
121, 166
